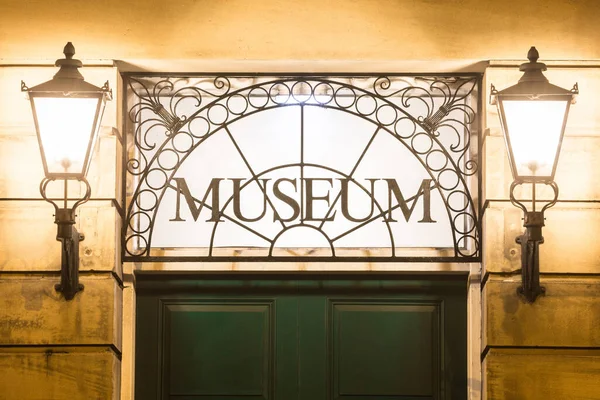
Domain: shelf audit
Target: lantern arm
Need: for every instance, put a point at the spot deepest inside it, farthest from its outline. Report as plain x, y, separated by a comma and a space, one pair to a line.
513, 199
530, 241
69, 236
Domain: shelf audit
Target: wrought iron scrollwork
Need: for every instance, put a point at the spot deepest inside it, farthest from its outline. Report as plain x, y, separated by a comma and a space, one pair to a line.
441, 133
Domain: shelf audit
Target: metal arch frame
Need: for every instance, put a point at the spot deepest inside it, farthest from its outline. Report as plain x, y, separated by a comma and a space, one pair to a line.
166, 116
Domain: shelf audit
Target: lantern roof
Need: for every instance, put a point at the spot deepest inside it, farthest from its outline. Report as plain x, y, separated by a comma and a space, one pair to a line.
68, 79
533, 83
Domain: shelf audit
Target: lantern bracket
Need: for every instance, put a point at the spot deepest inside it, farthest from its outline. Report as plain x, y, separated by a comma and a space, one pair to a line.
530, 241
69, 236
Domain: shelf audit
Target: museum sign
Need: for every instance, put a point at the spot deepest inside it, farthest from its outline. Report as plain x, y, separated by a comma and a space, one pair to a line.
333, 168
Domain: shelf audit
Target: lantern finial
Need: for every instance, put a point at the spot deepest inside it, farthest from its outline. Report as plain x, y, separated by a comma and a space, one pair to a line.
68, 65
533, 54
69, 51
533, 69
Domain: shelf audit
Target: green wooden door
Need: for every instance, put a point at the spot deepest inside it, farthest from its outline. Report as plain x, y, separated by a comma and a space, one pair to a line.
235, 337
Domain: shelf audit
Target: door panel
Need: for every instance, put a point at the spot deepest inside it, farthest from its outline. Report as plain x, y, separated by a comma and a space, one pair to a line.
303, 339
372, 341
219, 349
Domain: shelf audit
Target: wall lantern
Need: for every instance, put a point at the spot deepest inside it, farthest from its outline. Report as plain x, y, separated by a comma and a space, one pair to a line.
533, 114
67, 112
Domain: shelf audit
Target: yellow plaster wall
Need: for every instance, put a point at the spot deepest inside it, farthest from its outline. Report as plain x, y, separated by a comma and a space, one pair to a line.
301, 30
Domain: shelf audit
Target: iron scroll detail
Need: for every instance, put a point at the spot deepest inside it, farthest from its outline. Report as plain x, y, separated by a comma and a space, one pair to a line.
434, 118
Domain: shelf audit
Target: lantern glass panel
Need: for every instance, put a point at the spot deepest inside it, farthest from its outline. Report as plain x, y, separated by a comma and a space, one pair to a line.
66, 128
534, 129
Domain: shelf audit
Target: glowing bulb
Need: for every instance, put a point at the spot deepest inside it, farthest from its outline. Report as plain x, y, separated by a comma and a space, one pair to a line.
534, 129
65, 128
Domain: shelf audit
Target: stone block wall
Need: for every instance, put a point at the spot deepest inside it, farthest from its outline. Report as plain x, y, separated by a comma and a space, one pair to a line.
549, 349
51, 348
